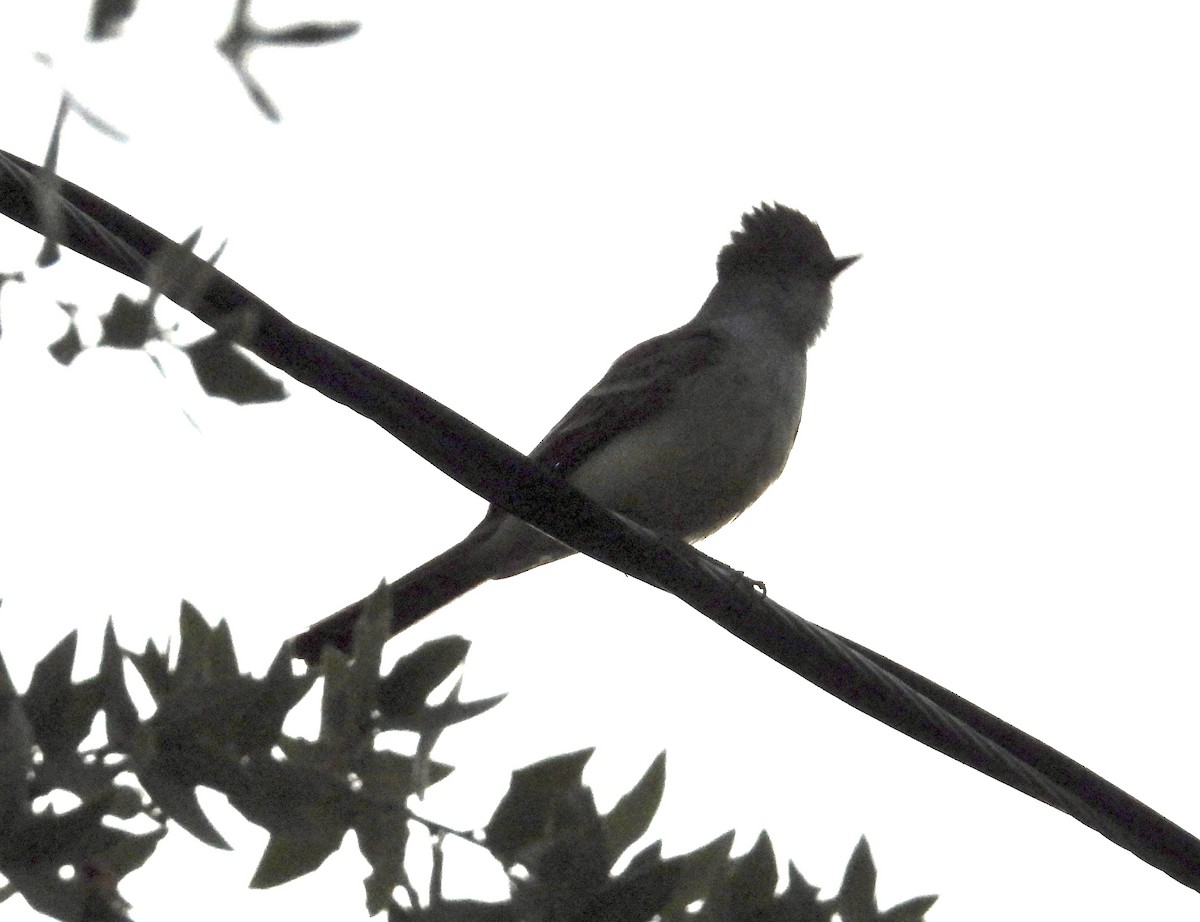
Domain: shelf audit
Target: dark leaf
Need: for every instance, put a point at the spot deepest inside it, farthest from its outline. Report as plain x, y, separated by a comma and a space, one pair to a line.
800, 901
525, 811
753, 877
630, 818
402, 693
129, 324
856, 899
382, 834
50, 209
222, 658
58, 725
16, 760
120, 715
224, 371
308, 33
287, 857
566, 864
343, 731
178, 801
67, 347
698, 870
107, 17
153, 667
129, 852
259, 95
910, 910
281, 691
635, 897
348, 705
307, 794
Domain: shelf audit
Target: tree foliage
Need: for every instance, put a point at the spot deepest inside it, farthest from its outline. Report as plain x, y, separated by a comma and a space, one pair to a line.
212, 725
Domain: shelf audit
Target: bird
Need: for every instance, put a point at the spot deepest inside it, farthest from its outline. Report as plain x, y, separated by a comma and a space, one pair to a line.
682, 434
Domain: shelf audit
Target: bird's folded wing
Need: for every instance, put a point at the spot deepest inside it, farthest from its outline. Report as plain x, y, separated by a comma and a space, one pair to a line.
635, 389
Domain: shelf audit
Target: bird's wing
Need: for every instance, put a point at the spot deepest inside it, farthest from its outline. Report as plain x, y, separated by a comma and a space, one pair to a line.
636, 388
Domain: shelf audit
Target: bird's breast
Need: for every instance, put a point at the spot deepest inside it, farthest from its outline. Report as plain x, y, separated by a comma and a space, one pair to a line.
721, 439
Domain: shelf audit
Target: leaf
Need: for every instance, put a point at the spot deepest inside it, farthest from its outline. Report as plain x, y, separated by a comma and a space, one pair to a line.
630, 818
524, 812
129, 324
404, 690
912, 910
434, 720
16, 759
50, 700
348, 704
107, 17
856, 898
224, 371
698, 870
222, 658
285, 858
178, 801
634, 897
382, 835
309, 33
49, 202
225, 715
281, 691
754, 875
131, 851
306, 794
154, 668
67, 347
566, 864
342, 731
799, 899
120, 716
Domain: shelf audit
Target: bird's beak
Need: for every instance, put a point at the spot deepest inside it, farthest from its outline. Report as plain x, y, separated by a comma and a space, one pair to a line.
840, 264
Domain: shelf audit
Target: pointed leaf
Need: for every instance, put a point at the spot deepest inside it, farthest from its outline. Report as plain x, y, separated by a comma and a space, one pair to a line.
402, 693
60, 713
222, 657
856, 899
16, 760
120, 715
309, 33
154, 668
281, 691
341, 729
699, 869
632, 897
285, 858
192, 666
525, 810
178, 801
129, 324
382, 835
799, 899
224, 371
912, 910
67, 347
107, 17
754, 876
630, 818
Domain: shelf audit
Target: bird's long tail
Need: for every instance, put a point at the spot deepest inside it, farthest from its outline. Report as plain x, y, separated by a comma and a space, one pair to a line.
415, 595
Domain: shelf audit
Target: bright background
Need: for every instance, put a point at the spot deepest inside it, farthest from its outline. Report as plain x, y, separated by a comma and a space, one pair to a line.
995, 482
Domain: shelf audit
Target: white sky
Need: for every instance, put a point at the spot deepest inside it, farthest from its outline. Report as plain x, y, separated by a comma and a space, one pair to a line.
994, 482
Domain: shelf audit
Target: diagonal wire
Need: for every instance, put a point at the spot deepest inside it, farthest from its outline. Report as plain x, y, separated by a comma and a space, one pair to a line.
868, 681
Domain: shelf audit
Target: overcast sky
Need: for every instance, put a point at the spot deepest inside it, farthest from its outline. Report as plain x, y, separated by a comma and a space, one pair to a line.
995, 480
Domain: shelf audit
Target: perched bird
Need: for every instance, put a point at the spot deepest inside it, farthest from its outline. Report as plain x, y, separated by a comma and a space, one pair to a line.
682, 434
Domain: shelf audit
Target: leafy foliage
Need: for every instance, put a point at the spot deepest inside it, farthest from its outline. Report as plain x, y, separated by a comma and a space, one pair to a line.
215, 726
